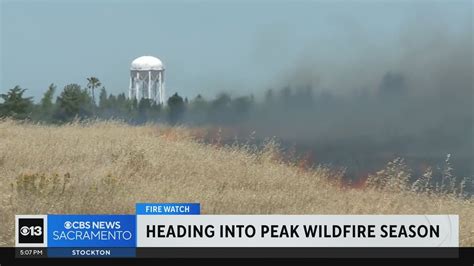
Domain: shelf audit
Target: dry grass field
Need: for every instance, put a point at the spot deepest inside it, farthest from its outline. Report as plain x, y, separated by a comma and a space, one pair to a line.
106, 167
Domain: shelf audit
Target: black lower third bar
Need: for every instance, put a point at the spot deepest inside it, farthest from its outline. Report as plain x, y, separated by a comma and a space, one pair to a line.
208, 252
297, 252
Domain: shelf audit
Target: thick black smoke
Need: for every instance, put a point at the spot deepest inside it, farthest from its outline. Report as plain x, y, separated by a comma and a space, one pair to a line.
412, 98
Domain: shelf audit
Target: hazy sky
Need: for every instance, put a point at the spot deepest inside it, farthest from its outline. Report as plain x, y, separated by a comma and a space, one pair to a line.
208, 46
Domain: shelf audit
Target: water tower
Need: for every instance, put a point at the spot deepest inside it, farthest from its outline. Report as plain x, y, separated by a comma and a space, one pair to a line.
147, 79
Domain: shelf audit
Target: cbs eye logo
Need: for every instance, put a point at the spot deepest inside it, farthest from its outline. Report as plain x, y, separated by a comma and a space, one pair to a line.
30, 230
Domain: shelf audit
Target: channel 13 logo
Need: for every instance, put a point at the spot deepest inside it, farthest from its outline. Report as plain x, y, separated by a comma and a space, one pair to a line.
31, 230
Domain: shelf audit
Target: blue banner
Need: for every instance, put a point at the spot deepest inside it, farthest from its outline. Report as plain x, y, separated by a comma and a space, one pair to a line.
91, 252
168, 208
92, 231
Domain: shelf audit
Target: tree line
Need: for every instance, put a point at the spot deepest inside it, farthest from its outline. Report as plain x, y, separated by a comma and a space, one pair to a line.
77, 103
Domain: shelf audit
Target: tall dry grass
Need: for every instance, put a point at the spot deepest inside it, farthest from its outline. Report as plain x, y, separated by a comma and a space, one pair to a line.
106, 167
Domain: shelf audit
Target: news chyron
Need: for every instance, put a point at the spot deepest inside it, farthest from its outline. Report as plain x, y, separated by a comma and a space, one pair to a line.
181, 226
